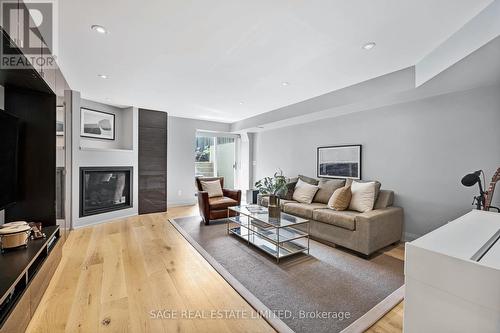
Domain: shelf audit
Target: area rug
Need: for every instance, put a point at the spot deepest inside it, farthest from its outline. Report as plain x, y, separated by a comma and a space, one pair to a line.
331, 290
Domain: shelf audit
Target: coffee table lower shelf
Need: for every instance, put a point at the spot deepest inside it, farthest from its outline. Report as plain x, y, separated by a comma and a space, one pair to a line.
280, 251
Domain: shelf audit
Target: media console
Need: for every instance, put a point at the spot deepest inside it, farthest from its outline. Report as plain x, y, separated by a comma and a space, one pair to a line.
24, 277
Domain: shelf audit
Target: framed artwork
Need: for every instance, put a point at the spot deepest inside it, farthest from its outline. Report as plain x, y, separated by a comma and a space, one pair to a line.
339, 162
97, 124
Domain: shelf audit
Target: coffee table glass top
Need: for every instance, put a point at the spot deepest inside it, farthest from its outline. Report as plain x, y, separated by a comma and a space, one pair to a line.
261, 214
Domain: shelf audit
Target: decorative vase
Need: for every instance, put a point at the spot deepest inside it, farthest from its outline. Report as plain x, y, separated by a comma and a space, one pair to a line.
274, 207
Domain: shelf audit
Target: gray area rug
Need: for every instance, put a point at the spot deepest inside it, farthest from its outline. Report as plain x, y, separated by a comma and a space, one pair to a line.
330, 281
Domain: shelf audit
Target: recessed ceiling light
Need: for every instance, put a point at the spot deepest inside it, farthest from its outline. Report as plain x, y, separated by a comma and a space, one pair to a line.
241, 103
102, 76
99, 28
369, 46
284, 84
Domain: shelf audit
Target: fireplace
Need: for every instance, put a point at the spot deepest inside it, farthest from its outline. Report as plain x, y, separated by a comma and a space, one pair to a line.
105, 189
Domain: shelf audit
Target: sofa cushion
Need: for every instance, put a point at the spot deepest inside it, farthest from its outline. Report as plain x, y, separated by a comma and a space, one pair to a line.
363, 196
385, 199
264, 201
304, 192
326, 189
340, 199
343, 219
308, 180
378, 185
301, 209
213, 188
219, 203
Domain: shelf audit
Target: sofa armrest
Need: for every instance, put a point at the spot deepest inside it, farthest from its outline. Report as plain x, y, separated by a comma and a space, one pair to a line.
379, 228
233, 194
203, 204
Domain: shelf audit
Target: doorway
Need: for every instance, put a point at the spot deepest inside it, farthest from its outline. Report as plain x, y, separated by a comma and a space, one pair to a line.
215, 156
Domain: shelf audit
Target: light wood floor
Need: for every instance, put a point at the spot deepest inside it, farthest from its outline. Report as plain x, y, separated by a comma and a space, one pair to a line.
113, 275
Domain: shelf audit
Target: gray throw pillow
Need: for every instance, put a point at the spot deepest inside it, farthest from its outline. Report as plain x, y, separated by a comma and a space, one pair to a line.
309, 180
287, 193
326, 189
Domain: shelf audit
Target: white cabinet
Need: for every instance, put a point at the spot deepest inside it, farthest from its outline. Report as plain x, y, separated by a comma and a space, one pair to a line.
447, 287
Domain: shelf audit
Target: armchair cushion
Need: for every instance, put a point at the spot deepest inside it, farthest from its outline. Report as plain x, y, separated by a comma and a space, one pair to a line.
213, 188
219, 203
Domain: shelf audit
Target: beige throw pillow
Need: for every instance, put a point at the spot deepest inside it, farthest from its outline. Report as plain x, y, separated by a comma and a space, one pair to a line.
362, 196
212, 187
304, 192
340, 199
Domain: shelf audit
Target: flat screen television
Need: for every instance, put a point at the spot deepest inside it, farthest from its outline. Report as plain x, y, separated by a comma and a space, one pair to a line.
9, 141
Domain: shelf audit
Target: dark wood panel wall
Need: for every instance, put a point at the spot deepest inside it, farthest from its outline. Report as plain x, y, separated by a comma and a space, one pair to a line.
153, 127
36, 157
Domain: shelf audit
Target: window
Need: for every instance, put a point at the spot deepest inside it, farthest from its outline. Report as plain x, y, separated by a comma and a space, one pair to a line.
215, 157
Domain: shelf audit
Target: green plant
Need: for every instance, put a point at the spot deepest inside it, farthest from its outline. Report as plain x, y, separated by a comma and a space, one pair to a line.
272, 185
202, 154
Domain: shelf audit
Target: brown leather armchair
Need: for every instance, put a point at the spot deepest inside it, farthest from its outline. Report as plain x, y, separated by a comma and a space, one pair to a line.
216, 207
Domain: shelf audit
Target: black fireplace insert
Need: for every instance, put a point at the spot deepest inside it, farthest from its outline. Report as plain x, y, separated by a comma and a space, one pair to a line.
105, 189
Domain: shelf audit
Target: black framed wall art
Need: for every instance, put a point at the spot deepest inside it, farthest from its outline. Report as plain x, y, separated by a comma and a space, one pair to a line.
339, 162
97, 124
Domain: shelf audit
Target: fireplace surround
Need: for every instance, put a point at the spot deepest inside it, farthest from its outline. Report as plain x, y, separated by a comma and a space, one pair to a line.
105, 189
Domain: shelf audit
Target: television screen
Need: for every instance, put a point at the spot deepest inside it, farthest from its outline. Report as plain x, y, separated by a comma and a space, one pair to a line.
9, 132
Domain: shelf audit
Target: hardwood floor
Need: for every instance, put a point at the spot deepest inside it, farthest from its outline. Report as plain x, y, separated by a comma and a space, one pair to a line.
392, 322
113, 275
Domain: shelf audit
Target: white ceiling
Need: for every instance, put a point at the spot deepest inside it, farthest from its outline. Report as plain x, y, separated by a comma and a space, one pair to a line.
225, 60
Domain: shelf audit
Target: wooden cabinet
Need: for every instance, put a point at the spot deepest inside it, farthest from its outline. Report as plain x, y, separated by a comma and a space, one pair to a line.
24, 284
152, 161
20, 316
42, 278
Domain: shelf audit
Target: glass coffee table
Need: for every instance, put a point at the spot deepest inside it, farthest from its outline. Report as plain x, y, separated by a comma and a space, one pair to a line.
277, 237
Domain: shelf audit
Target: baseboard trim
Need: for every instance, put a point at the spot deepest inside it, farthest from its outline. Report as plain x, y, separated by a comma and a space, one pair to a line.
103, 221
181, 203
408, 237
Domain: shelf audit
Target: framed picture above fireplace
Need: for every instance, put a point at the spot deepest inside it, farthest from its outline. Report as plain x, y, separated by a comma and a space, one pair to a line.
97, 124
339, 162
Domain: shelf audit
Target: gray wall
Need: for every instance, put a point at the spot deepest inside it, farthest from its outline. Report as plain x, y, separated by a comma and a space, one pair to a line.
419, 149
181, 145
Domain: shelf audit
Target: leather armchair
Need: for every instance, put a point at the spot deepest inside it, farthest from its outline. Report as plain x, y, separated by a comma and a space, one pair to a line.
216, 207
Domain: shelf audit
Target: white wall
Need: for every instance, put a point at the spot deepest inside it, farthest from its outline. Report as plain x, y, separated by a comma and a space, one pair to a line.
123, 151
419, 149
180, 165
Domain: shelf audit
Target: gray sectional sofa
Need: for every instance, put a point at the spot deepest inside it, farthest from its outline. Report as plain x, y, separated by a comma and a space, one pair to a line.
364, 233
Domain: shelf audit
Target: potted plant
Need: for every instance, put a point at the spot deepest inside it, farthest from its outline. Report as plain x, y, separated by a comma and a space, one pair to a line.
272, 186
